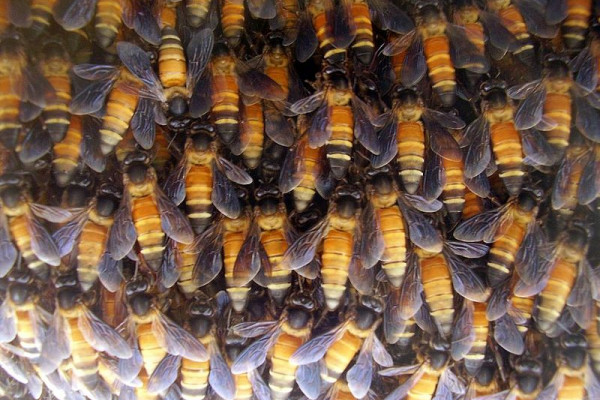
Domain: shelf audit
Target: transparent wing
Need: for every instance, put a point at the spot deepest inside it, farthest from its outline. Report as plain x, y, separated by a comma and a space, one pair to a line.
8, 252
176, 340
401, 391
479, 155
122, 233
421, 231
73, 15
360, 376
259, 388
210, 260
410, 291
234, 173
174, 185
388, 137
372, 244
224, 195
67, 235
508, 336
101, 336
314, 350
483, 227
41, 242
198, 53
304, 249
139, 64
463, 334
254, 355
465, 281
165, 374
109, 272
531, 110
220, 377
308, 378
8, 330
142, 123
49, 213
174, 223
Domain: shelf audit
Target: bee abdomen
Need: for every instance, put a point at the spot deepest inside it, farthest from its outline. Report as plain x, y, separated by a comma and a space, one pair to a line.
335, 259
411, 153
282, 374
9, 113
198, 199
476, 355
108, 21
506, 144
225, 110
339, 145
186, 267
592, 335
502, 254
253, 130
339, 355
280, 76
553, 298
454, 189
305, 191
20, 234
41, 15
437, 286
152, 351
171, 59
120, 107
425, 387
394, 237
573, 387
197, 11
26, 333
513, 20
558, 108
576, 24
473, 205
523, 305
150, 235
243, 387
330, 52
84, 357
363, 43
66, 153
279, 278
194, 379
232, 20
441, 69
90, 249
56, 113
232, 244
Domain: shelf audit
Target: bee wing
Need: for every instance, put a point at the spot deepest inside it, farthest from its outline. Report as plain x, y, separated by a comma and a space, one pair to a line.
463, 334
467, 250
399, 44
35, 144
8, 252
319, 130
589, 184
528, 260
210, 260
292, 168
110, 272
308, 378
254, 83
91, 153
56, 346
259, 388
8, 330
41, 242
304, 249
410, 291
449, 385
401, 391
19, 13
254, 329
306, 41
465, 281
483, 227
248, 261
463, 52
380, 354
340, 23
90, 98
498, 35
363, 128
434, 178
198, 53
176, 340
101, 336
537, 149
220, 377
508, 336
201, 99
224, 195
586, 66
393, 324
421, 232
414, 65
479, 155
531, 110
361, 278
165, 374
174, 185
67, 235
586, 117
122, 233
254, 355
142, 123
169, 273
359, 377
314, 350
534, 15
263, 9
13, 366
49, 213
129, 368
234, 173
143, 19
389, 17
174, 223
498, 303
73, 15
372, 243
308, 104
480, 185
441, 141
277, 127
138, 63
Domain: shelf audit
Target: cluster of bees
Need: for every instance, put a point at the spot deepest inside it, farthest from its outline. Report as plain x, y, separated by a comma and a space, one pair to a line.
322, 199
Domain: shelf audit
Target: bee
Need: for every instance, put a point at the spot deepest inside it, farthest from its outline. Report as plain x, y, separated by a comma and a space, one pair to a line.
20, 224
521, 18
41, 15
469, 338
280, 339
340, 118
515, 236
196, 11
20, 84
22, 315
85, 238
219, 91
15, 13
67, 152
145, 215
404, 134
431, 377
574, 17
152, 335
592, 335
437, 47
512, 147
556, 90
19, 379
337, 347
305, 170
233, 18
196, 375
77, 333
287, 20
111, 307
397, 330
488, 378
202, 179
78, 192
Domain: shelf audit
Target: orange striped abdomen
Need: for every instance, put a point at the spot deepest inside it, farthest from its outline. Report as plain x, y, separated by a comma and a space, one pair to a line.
232, 244
109, 305
440, 68
576, 24
186, 267
394, 237
198, 196
120, 106
172, 67
282, 374
41, 14
108, 21
56, 113
569, 193
476, 35
152, 351
196, 11
280, 75
10, 102
592, 335
558, 108
279, 278
90, 249
398, 63
524, 306
339, 356
150, 235
253, 129
141, 392
84, 357
243, 387
473, 205
573, 388
305, 191
335, 260
503, 252
454, 190
232, 20
553, 298
20, 234
506, 145
329, 51
225, 109
437, 286
363, 42
194, 379
411, 153
339, 145
66, 153
513, 21
25, 330
475, 356
425, 387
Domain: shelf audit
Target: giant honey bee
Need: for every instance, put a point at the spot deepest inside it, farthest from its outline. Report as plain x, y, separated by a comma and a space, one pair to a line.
574, 17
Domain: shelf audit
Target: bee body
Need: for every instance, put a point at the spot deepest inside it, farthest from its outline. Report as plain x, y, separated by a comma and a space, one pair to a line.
426, 386
558, 108
55, 67
335, 258
84, 358
513, 21
232, 20
67, 152
282, 375
253, 129
198, 188
194, 375
592, 335
146, 219
453, 194
233, 238
196, 11
151, 350
339, 145
108, 21
186, 279
41, 14
26, 328
91, 247
576, 24
476, 355
318, 11
363, 45
225, 98
172, 68
439, 65
275, 244
341, 353
411, 153
525, 306
17, 222
13, 60
305, 191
